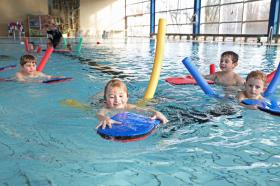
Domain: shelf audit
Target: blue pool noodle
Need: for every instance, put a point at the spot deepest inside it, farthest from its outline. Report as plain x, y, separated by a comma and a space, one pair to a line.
273, 84
199, 79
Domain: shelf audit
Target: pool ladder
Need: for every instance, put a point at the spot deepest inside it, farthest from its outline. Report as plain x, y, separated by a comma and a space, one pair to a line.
270, 36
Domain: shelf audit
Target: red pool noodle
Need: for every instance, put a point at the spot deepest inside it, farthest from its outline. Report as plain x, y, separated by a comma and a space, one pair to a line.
26, 44
45, 59
212, 69
270, 76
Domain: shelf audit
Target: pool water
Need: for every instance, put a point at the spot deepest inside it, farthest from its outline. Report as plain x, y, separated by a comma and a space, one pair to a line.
206, 142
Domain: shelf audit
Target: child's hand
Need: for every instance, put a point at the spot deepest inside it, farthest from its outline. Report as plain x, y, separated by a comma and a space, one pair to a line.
106, 122
160, 116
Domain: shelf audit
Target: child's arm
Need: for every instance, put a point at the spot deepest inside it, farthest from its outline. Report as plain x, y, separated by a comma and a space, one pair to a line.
104, 120
241, 96
155, 114
239, 80
211, 77
41, 74
158, 115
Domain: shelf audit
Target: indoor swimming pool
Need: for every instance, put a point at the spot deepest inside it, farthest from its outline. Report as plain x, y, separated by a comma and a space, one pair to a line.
44, 141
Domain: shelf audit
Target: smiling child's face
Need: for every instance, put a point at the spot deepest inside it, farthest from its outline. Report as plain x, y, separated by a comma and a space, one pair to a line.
116, 97
226, 64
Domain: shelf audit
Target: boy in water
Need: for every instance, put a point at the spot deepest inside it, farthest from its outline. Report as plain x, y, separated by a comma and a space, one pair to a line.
31, 47
28, 72
116, 97
254, 87
226, 77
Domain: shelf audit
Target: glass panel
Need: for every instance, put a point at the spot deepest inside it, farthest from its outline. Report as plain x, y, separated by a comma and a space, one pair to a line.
179, 29
230, 1
209, 14
180, 17
209, 28
161, 5
165, 5
143, 31
230, 28
185, 4
231, 13
134, 9
258, 10
145, 19
139, 20
133, 1
255, 28
146, 7
172, 4
209, 2
160, 15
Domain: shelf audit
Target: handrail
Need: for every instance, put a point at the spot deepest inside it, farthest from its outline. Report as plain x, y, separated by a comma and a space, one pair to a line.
214, 36
270, 35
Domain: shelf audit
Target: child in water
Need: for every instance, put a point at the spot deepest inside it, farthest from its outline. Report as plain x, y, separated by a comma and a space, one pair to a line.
254, 87
31, 47
28, 72
227, 76
116, 98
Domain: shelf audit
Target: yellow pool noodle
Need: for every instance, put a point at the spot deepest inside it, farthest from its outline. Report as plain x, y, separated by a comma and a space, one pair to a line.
149, 94
75, 104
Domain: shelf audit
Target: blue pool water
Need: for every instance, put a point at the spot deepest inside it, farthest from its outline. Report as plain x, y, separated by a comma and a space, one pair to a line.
206, 142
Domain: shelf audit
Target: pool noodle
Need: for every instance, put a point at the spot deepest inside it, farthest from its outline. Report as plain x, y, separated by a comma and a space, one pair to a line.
7, 67
64, 42
272, 85
270, 76
149, 94
75, 104
45, 59
199, 79
79, 46
26, 44
212, 69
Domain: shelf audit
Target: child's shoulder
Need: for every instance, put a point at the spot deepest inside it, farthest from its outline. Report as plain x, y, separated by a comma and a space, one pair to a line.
240, 80
19, 74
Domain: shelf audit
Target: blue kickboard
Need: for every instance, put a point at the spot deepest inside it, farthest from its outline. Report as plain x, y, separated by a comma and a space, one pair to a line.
270, 106
56, 80
132, 125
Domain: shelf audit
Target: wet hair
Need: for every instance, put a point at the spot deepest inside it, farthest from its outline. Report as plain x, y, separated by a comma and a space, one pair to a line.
232, 55
257, 74
115, 83
27, 58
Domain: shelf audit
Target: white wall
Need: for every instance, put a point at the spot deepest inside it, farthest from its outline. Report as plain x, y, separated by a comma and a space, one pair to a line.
99, 15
